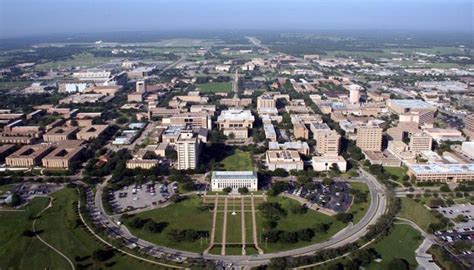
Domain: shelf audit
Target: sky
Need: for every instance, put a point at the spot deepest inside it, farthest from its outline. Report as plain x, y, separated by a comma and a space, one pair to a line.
38, 17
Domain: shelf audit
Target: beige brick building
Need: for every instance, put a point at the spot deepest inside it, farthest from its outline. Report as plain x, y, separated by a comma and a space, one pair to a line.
91, 132
28, 155
63, 156
284, 159
328, 142
58, 134
236, 121
369, 138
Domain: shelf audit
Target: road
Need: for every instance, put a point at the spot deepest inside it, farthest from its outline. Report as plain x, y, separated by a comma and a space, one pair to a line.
348, 235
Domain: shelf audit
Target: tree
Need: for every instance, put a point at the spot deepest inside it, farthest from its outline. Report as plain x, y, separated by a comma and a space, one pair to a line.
103, 255
243, 190
327, 181
444, 188
271, 211
227, 189
344, 217
231, 136
398, 264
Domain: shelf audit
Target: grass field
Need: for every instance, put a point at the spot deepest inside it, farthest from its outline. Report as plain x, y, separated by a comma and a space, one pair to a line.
359, 209
239, 161
400, 243
58, 227
215, 87
417, 213
293, 222
399, 172
84, 60
180, 216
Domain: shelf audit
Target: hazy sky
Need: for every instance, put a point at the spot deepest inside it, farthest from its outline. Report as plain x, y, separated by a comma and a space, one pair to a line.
34, 17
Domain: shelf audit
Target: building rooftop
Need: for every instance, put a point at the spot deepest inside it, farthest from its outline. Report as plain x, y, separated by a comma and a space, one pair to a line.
411, 103
442, 168
250, 175
236, 115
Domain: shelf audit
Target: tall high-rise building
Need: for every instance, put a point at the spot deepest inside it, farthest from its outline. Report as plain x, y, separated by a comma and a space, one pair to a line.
327, 142
140, 86
369, 138
187, 147
469, 122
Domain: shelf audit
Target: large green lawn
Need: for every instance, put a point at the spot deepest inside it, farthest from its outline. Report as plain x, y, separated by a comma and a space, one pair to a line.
239, 161
417, 213
400, 243
294, 222
180, 216
358, 209
399, 172
186, 215
58, 227
215, 87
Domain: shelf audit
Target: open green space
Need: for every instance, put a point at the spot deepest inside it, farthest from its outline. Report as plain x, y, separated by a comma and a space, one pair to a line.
401, 243
398, 172
239, 161
183, 215
59, 226
358, 209
83, 60
417, 213
215, 87
294, 222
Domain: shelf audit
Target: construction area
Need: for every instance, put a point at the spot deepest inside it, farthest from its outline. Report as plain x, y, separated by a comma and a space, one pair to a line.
234, 226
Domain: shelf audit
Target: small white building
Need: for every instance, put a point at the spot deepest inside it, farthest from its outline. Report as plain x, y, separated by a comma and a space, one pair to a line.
324, 163
234, 179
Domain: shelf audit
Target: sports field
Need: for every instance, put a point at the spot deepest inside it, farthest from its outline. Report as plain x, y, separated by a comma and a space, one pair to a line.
215, 87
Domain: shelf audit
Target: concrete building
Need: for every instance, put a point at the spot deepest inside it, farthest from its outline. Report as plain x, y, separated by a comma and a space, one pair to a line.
324, 163
420, 142
58, 134
234, 180
284, 159
187, 147
354, 93
236, 121
467, 148
445, 135
266, 101
270, 132
328, 142
28, 155
300, 131
421, 117
401, 106
442, 172
236, 102
63, 155
199, 119
301, 147
469, 122
140, 86
91, 132
369, 137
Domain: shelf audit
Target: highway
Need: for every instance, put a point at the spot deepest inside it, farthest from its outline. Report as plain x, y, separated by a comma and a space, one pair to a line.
348, 235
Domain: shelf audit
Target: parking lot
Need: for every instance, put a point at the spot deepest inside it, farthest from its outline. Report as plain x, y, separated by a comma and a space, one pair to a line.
450, 237
459, 209
28, 190
335, 196
141, 196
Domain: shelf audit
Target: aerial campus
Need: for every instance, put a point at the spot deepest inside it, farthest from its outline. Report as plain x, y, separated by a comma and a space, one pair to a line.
237, 150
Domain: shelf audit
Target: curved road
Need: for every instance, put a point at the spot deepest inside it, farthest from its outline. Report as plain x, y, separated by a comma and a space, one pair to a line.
348, 235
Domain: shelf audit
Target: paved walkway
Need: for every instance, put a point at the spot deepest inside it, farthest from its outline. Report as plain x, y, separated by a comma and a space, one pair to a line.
243, 224
46, 243
254, 227
423, 258
224, 227
213, 229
